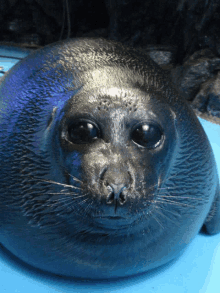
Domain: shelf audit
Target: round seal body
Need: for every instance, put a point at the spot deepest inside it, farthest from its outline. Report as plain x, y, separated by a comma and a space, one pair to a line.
105, 170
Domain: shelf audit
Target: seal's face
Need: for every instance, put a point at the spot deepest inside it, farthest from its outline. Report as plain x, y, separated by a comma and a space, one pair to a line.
116, 149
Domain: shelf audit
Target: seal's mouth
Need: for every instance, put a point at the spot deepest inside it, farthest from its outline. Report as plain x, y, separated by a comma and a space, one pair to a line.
113, 222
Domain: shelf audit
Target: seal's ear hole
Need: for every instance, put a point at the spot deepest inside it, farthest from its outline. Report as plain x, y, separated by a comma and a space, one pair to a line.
51, 117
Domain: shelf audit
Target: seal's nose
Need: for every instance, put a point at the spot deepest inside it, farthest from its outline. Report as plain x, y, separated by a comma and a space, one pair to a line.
116, 194
116, 183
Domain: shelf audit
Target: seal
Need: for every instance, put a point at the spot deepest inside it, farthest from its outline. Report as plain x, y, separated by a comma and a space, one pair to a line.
105, 170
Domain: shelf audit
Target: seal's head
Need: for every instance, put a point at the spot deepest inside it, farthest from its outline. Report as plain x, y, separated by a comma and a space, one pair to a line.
105, 171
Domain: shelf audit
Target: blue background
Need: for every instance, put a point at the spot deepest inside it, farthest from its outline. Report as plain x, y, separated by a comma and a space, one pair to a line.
197, 270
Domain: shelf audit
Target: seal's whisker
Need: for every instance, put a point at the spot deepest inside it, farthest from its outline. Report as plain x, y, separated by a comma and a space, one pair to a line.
88, 208
181, 197
60, 200
66, 193
157, 220
166, 188
62, 193
167, 195
84, 200
78, 207
65, 185
80, 196
173, 202
76, 179
169, 211
70, 199
160, 211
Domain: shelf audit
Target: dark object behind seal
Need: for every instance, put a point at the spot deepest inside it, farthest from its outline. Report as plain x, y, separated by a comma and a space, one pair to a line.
105, 170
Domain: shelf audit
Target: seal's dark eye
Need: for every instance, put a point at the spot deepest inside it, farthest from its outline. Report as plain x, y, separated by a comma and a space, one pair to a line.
147, 135
83, 132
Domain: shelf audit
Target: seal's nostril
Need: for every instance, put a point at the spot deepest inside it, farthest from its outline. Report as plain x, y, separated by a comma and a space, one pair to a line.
122, 198
110, 197
116, 194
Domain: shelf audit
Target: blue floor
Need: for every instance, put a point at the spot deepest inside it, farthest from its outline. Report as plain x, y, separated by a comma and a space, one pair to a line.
9, 56
196, 271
